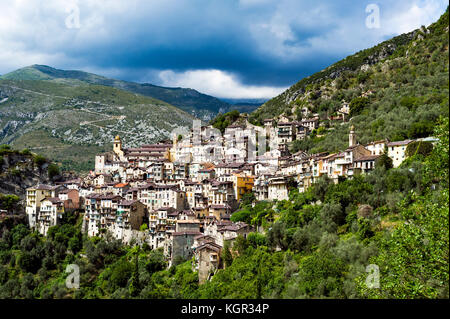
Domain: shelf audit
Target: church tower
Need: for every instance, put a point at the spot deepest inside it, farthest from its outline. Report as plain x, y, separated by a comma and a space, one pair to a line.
117, 148
352, 137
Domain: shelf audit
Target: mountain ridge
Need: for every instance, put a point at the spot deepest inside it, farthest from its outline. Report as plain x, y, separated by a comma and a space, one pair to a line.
189, 100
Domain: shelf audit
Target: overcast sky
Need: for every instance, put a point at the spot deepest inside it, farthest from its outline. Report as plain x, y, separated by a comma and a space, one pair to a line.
227, 48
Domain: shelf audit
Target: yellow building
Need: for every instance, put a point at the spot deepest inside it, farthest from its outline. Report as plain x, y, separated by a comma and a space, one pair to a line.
242, 184
397, 151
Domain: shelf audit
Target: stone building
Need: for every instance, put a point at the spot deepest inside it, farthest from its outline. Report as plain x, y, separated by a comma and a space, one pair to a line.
207, 256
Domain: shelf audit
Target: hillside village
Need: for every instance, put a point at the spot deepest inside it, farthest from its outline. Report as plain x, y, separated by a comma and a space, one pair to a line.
179, 195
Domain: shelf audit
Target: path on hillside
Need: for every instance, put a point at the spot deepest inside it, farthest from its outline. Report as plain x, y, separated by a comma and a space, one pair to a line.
45, 147
106, 117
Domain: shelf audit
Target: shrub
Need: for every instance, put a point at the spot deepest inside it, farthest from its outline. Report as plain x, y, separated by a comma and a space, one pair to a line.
121, 273
421, 129
156, 262
357, 105
53, 170
420, 147
8, 202
39, 160
29, 261
26, 151
384, 161
256, 239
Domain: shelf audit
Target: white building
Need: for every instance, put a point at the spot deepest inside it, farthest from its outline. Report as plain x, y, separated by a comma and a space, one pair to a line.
397, 151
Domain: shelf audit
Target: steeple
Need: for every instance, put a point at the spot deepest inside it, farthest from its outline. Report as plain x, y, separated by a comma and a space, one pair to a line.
117, 147
352, 137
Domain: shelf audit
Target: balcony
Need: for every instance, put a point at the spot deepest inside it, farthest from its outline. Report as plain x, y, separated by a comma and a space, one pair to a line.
342, 161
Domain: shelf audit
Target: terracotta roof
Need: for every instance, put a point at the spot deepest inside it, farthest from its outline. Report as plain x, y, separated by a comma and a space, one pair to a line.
111, 196
211, 245
376, 142
367, 158
351, 148
187, 212
172, 213
46, 187
127, 202
202, 236
93, 196
400, 143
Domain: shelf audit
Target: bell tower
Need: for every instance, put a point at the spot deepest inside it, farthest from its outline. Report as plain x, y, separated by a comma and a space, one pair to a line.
352, 137
117, 148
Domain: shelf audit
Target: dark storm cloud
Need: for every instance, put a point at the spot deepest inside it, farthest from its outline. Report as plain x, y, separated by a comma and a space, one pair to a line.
258, 42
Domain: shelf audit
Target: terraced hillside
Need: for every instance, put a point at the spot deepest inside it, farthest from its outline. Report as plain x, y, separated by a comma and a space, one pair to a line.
70, 123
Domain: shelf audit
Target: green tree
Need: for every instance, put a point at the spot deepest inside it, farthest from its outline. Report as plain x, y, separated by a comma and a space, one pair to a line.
419, 147
357, 105
248, 199
156, 261
121, 273
53, 170
135, 286
9, 202
39, 160
421, 129
384, 161
227, 257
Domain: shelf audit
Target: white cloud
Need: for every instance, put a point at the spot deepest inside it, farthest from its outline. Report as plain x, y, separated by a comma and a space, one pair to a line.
419, 13
217, 83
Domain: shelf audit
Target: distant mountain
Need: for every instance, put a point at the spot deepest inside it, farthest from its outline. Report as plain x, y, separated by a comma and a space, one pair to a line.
70, 121
244, 105
195, 103
396, 90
